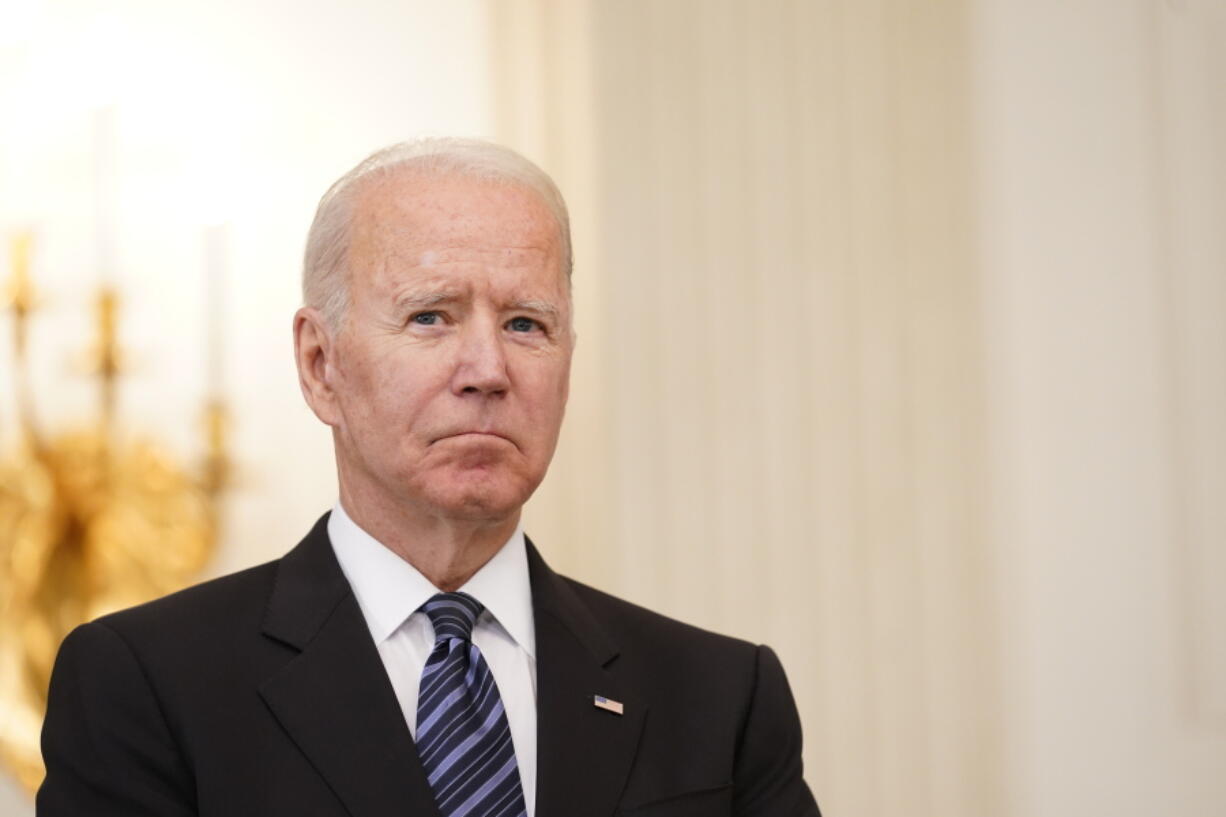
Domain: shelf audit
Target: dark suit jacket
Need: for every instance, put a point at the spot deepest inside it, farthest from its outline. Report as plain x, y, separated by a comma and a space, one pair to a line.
262, 694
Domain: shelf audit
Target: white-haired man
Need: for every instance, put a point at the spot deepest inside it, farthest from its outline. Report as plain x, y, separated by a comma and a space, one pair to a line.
414, 655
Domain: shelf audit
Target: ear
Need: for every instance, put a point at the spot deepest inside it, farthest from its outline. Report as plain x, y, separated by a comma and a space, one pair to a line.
315, 353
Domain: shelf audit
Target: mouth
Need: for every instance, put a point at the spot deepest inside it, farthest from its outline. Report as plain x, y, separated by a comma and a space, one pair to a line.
474, 435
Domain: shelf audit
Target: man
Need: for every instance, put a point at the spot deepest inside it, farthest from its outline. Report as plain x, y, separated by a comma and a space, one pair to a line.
414, 655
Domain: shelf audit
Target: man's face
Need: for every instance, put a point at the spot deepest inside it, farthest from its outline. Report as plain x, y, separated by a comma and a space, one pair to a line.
451, 371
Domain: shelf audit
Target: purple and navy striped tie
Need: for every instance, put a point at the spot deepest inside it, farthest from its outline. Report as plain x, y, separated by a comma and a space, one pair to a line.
463, 737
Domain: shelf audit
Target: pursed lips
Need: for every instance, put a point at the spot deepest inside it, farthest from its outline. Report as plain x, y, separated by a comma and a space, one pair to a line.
472, 433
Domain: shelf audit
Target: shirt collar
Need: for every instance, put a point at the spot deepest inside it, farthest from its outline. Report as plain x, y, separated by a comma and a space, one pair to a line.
389, 589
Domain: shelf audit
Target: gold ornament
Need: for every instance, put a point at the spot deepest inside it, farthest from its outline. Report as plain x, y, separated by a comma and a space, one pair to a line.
89, 524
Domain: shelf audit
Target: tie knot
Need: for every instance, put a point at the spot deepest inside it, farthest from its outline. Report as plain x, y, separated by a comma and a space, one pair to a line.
453, 615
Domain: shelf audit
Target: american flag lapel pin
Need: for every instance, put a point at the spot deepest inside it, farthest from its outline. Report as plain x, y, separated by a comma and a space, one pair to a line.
601, 702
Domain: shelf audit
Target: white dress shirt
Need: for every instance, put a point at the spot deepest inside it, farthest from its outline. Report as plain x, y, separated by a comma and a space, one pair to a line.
389, 590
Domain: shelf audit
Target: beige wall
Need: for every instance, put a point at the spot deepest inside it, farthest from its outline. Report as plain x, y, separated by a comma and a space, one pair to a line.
1100, 129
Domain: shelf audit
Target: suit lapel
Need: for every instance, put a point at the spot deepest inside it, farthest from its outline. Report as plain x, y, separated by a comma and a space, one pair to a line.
334, 699
584, 753
335, 702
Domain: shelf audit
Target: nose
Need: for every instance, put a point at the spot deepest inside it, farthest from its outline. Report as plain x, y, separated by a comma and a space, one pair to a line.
481, 367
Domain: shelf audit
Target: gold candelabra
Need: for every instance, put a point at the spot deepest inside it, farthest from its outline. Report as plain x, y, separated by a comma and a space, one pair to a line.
89, 522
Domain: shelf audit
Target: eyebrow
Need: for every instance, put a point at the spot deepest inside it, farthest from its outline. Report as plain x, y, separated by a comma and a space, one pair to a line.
425, 300
543, 307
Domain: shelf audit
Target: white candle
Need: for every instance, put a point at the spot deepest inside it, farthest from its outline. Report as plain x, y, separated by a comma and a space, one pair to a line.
216, 264
105, 189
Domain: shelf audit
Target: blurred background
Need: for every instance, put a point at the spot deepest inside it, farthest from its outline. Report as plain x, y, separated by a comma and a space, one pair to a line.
902, 335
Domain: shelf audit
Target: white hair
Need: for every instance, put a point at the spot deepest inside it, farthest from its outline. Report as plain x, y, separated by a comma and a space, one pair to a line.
325, 280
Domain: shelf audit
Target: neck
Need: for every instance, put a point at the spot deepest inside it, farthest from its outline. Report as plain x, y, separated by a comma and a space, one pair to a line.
446, 551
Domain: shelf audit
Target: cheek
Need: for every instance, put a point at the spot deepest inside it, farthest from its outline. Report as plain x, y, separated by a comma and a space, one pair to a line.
372, 375
383, 388
549, 406
561, 384
544, 389
370, 396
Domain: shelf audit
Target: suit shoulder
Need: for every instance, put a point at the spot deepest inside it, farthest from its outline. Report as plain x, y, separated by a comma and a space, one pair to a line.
216, 602
627, 621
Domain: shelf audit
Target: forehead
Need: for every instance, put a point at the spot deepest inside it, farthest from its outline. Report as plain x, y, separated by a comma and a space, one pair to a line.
451, 219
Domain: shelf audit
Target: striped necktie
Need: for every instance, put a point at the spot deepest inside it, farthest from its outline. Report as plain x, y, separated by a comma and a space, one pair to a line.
463, 737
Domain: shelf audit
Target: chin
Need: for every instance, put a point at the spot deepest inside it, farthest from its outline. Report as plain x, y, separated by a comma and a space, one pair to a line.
481, 500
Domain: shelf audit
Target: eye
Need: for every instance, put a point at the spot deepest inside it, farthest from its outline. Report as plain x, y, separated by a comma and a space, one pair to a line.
522, 324
425, 318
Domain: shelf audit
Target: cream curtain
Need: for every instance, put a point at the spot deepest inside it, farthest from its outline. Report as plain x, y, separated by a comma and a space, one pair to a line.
776, 428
